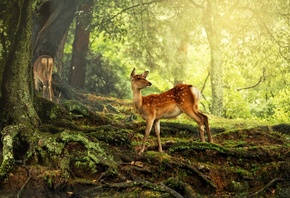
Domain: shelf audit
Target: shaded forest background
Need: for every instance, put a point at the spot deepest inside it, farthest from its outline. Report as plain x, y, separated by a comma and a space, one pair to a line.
84, 142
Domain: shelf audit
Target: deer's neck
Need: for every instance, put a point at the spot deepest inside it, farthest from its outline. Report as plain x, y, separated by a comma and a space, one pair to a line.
137, 99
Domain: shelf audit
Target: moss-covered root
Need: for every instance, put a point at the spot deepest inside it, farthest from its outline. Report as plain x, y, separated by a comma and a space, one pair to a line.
126, 185
94, 152
8, 134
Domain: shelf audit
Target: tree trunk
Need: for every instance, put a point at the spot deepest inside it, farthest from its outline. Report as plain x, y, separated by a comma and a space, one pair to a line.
80, 46
212, 24
51, 22
180, 71
17, 93
59, 55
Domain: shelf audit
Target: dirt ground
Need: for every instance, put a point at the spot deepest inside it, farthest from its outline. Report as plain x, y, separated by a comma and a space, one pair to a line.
242, 162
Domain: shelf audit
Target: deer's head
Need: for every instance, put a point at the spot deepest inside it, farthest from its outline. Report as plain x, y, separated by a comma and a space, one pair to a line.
139, 81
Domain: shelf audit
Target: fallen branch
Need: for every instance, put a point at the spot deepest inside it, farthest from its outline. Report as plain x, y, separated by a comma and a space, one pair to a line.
267, 186
181, 164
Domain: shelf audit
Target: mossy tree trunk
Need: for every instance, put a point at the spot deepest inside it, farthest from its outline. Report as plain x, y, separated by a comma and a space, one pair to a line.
18, 104
17, 110
17, 92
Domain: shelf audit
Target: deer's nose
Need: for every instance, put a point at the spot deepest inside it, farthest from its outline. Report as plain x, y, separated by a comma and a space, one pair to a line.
150, 83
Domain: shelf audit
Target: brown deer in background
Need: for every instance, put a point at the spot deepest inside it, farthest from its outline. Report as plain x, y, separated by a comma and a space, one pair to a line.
42, 70
182, 98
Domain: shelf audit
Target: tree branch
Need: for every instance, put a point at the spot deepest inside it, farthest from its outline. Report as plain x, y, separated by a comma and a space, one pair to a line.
255, 85
133, 6
232, 8
250, 87
204, 83
269, 32
108, 20
203, 87
196, 4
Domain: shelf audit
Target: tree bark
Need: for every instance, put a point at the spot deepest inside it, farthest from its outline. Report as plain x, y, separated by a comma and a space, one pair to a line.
77, 72
17, 98
51, 23
212, 24
17, 108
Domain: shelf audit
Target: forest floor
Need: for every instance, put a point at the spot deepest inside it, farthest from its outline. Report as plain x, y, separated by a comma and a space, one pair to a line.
100, 137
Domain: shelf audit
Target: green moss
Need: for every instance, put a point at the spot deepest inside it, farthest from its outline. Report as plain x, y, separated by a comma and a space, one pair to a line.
181, 146
76, 107
113, 136
158, 156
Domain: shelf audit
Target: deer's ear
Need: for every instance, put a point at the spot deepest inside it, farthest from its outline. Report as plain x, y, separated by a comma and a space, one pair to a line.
132, 73
145, 73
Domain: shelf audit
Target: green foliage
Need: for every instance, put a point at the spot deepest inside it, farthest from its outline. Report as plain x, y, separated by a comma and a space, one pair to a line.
106, 77
149, 35
282, 106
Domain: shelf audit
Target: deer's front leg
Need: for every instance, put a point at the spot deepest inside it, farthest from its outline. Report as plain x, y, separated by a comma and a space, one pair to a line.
50, 90
201, 132
157, 131
149, 125
36, 81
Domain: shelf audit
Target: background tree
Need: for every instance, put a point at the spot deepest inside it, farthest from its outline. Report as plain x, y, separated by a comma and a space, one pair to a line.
51, 22
81, 45
213, 25
225, 23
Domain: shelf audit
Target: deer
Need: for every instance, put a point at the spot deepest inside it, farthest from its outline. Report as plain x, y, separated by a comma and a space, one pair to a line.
183, 98
42, 70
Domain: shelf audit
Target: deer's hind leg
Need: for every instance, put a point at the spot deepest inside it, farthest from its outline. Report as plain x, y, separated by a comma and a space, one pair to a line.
50, 92
207, 127
200, 120
157, 131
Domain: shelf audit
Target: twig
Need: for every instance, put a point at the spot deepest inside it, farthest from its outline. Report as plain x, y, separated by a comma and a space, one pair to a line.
204, 83
27, 180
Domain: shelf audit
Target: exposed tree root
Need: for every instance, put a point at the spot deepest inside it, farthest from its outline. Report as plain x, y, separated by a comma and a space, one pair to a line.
156, 187
8, 134
186, 188
267, 186
95, 153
